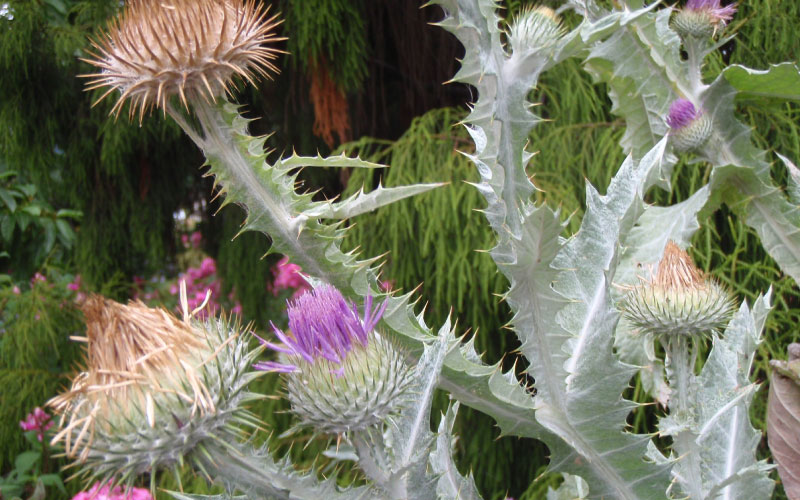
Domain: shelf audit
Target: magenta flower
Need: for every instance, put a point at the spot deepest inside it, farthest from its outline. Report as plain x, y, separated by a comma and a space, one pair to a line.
37, 420
287, 277
105, 492
75, 285
718, 14
196, 238
681, 113
323, 325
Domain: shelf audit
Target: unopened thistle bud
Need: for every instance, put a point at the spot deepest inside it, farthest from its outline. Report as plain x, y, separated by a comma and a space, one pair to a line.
341, 374
157, 49
678, 300
690, 129
535, 28
154, 389
702, 18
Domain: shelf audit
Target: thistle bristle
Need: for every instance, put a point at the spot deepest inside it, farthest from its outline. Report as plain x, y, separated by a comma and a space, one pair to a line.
192, 49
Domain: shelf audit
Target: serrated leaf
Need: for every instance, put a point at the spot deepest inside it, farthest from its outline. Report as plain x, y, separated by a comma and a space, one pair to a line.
726, 440
451, 484
340, 161
640, 63
766, 209
781, 81
409, 434
792, 180
361, 202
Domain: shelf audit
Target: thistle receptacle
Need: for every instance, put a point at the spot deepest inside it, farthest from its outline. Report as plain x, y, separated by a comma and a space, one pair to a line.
341, 374
154, 388
689, 128
535, 28
157, 49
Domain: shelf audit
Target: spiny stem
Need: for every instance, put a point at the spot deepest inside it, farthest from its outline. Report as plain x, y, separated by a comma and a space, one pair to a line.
680, 369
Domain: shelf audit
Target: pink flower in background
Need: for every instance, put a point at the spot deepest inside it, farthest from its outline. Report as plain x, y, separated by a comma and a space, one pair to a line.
185, 240
208, 267
37, 420
387, 286
76, 283
16, 290
105, 492
287, 276
196, 238
38, 277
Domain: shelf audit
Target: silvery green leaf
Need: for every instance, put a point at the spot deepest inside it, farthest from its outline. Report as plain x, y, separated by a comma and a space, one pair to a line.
451, 484
725, 437
573, 488
362, 202
339, 161
409, 437
792, 181
641, 64
766, 209
781, 81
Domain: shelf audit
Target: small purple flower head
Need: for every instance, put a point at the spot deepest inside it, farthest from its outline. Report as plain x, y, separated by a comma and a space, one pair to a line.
341, 374
681, 113
323, 326
690, 128
719, 14
702, 18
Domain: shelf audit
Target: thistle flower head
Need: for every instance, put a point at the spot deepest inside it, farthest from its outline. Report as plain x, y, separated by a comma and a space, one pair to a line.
690, 128
679, 299
341, 374
535, 28
157, 49
154, 387
702, 18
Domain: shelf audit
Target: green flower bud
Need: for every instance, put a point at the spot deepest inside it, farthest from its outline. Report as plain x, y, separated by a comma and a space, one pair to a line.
678, 300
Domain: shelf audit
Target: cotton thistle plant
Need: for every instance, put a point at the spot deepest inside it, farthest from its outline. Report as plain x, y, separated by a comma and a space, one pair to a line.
155, 390
192, 49
341, 374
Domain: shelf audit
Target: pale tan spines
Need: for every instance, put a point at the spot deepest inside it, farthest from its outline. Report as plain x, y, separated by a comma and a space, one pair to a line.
157, 49
134, 353
677, 270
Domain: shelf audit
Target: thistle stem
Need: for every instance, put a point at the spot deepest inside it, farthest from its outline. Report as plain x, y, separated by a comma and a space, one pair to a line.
694, 52
681, 357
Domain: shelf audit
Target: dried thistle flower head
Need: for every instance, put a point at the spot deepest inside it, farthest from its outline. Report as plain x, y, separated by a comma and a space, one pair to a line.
679, 299
154, 388
156, 49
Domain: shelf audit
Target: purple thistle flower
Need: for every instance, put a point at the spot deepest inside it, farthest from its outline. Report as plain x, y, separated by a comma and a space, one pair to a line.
681, 113
713, 8
323, 325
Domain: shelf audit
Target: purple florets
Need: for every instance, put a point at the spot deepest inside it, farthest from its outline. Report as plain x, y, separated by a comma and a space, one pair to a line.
713, 9
681, 113
323, 325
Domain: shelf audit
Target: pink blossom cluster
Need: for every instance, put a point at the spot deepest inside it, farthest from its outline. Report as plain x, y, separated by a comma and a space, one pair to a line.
105, 492
288, 277
193, 240
199, 281
37, 420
